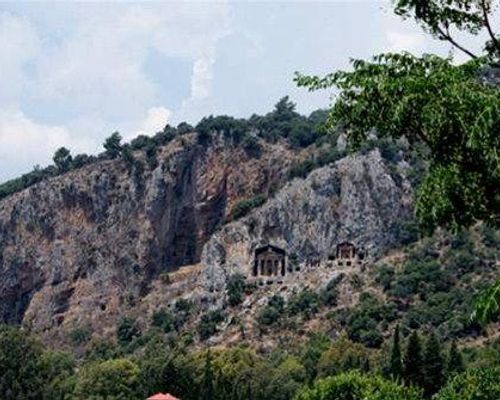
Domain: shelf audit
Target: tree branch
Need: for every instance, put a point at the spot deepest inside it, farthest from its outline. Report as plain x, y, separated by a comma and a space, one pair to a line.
446, 36
488, 25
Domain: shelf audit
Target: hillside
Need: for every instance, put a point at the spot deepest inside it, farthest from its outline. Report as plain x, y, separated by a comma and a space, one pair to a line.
130, 238
90, 242
272, 263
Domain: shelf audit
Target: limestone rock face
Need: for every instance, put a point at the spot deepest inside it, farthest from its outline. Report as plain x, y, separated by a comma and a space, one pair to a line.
358, 199
82, 248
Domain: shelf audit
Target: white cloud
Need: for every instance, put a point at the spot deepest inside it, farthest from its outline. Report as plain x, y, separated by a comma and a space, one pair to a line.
24, 143
18, 45
100, 65
405, 41
202, 77
89, 73
155, 121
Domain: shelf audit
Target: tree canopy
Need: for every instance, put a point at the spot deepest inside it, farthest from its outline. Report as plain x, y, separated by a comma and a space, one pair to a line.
432, 101
356, 386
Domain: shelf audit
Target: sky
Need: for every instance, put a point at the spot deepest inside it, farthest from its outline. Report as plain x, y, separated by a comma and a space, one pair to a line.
73, 73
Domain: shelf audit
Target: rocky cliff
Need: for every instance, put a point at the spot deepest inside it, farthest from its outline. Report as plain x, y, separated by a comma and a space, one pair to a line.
84, 247
358, 199
92, 245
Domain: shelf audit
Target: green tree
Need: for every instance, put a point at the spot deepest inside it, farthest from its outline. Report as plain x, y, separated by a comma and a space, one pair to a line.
57, 370
20, 366
109, 380
413, 371
341, 356
396, 367
286, 379
112, 145
234, 370
433, 101
153, 363
455, 362
207, 384
433, 366
475, 384
356, 386
62, 159
442, 17
311, 353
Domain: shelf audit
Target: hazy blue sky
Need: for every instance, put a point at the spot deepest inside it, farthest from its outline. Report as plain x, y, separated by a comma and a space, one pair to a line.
72, 73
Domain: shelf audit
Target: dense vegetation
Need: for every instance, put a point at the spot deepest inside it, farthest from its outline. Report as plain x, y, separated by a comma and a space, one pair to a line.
283, 123
320, 368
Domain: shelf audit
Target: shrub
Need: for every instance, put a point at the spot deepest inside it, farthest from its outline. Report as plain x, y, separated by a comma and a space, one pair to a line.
140, 142
128, 157
384, 276
164, 320
182, 309
302, 169
183, 305
422, 277
80, 335
184, 128
207, 326
356, 281
251, 145
311, 353
329, 294
243, 207
235, 289
232, 128
362, 323
150, 151
272, 312
301, 134
81, 160
268, 316
127, 330
330, 155
101, 349
491, 236
306, 303
138, 175
406, 232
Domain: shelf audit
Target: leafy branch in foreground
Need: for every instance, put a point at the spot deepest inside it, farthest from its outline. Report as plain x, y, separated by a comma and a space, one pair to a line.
441, 18
432, 101
488, 304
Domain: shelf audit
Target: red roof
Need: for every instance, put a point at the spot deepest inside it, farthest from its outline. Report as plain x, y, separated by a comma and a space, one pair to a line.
161, 396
